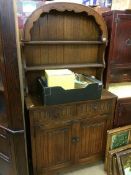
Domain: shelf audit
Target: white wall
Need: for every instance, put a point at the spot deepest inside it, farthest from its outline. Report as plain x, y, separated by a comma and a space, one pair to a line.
75, 1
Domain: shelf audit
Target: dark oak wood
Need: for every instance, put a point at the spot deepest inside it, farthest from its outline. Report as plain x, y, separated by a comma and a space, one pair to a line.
77, 131
65, 35
12, 143
61, 42
61, 7
42, 67
55, 36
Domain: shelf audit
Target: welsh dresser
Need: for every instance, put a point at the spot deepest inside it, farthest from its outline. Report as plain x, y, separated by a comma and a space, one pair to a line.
73, 36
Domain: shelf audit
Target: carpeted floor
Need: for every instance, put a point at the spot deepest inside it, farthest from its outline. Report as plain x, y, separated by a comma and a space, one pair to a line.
97, 169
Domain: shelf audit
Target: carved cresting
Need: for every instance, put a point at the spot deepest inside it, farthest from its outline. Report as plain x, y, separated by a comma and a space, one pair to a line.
94, 108
77, 8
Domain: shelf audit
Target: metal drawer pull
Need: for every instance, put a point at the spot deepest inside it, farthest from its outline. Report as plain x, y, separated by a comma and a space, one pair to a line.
95, 107
75, 139
128, 42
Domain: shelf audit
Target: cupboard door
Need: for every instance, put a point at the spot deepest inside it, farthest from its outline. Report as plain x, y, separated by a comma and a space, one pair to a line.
122, 40
93, 139
51, 149
123, 113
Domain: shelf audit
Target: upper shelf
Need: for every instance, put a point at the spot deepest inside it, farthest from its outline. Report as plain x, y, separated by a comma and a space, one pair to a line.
61, 42
42, 67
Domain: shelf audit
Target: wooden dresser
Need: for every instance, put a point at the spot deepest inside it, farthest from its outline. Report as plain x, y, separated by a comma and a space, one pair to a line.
118, 60
65, 35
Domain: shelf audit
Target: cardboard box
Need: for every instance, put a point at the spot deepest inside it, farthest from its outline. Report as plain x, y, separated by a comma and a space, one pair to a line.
62, 77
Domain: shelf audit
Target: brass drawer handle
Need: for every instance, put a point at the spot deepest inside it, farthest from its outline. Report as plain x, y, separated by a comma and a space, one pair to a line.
95, 107
75, 139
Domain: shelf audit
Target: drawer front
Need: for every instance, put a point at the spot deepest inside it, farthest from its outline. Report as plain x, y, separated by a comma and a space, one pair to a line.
120, 75
54, 115
94, 109
4, 145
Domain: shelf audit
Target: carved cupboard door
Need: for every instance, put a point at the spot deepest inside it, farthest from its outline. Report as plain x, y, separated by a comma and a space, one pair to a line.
51, 149
93, 138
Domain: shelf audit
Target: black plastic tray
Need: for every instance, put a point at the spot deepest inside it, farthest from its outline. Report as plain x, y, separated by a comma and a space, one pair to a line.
58, 95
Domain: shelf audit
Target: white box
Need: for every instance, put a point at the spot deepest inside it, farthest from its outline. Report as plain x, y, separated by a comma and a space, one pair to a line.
61, 77
121, 4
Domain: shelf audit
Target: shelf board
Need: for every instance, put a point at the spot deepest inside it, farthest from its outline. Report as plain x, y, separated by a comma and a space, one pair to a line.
60, 42
42, 67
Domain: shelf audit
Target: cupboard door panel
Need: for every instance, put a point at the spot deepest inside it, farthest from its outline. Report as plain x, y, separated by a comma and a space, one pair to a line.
122, 40
93, 138
52, 148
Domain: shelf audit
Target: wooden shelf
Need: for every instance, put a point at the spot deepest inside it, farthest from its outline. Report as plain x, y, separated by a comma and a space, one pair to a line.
38, 68
60, 42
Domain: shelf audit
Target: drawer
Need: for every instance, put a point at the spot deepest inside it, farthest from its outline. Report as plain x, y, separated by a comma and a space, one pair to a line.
4, 145
94, 109
120, 76
54, 115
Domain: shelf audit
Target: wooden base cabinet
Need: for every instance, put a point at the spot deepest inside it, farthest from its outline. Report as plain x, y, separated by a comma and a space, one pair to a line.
63, 136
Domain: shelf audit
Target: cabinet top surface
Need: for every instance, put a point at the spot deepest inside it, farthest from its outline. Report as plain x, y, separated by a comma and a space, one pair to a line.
33, 103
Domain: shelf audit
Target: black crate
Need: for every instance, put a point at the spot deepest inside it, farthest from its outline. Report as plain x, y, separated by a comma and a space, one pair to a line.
58, 95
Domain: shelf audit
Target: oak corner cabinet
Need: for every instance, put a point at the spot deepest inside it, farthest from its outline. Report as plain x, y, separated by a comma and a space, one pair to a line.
118, 60
65, 35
